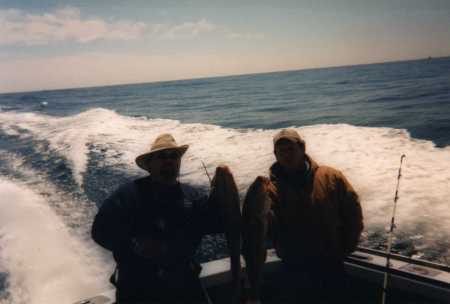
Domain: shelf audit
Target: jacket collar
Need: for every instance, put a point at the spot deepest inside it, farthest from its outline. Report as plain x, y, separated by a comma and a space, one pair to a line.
277, 172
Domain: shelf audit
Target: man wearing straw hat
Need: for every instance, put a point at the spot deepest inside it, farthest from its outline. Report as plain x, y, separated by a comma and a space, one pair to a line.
153, 226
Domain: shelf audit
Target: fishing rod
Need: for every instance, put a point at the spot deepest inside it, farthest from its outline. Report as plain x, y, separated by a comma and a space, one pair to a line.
205, 292
202, 286
206, 170
391, 231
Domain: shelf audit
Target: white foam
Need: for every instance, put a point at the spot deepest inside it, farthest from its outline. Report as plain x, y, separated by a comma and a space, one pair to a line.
369, 157
45, 262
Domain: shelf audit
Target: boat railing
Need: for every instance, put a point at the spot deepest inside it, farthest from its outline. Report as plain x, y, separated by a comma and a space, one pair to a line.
402, 258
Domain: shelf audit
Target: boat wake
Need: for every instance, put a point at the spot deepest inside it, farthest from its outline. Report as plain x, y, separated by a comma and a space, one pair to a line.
55, 170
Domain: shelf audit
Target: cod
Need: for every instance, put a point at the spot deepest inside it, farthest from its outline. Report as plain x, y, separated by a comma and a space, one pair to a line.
224, 191
255, 225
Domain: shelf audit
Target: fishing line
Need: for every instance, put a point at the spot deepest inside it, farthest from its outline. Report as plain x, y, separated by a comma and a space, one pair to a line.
207, 174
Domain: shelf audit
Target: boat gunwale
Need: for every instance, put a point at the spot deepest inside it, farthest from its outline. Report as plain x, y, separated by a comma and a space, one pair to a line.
403, 258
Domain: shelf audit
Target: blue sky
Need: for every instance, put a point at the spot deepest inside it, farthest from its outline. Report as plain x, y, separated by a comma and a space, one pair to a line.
61, 44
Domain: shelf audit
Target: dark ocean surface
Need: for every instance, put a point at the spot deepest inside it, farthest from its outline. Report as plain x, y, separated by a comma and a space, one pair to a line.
411, 95
62, 152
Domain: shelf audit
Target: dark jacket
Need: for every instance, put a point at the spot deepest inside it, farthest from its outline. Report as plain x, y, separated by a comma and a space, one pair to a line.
179, 220
318, 214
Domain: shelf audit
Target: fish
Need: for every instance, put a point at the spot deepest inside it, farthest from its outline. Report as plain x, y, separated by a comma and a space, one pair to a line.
255, 225
225, 193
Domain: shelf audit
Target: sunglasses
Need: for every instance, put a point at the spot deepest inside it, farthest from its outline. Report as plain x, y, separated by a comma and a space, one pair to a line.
168, 155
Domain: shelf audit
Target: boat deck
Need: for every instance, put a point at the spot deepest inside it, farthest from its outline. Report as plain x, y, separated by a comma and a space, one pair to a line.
411, 281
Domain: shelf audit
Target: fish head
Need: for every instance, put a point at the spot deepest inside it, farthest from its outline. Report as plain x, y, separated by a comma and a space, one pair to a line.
222, 176
223, 170
266, 186
260, 195
224, 189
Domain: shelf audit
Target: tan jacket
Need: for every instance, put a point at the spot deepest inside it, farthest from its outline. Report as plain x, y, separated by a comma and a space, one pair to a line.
317, 214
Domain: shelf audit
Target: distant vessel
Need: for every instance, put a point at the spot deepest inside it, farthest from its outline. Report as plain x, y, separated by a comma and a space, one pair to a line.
42, 105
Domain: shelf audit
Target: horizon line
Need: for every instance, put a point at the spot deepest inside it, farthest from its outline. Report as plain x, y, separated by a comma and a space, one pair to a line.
223, 76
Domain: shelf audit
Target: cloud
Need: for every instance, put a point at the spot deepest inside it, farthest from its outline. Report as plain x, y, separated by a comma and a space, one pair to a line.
243, 36
20, 28
189, 30
186, 30
17, 27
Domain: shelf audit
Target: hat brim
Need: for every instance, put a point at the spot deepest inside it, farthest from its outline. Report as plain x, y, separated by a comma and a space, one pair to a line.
142, 161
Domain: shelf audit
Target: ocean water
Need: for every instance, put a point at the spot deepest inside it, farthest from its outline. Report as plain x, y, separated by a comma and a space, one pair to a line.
62, 152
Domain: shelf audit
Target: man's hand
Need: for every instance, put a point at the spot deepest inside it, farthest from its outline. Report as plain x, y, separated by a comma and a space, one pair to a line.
149, 248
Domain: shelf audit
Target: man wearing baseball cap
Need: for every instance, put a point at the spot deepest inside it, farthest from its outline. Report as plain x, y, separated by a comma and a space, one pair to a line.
318, 221
153, 226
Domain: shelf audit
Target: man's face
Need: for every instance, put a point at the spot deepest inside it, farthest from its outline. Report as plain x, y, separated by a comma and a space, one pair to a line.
290, 155
165, 165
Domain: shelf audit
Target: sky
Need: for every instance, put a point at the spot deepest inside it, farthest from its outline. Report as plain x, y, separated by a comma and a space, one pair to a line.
68, 44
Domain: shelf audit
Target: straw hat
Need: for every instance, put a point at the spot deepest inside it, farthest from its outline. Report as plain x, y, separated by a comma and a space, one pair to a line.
162, 142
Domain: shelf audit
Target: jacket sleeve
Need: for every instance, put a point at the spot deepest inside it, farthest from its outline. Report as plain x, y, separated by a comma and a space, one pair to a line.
113, 224
210, 216
351, 214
